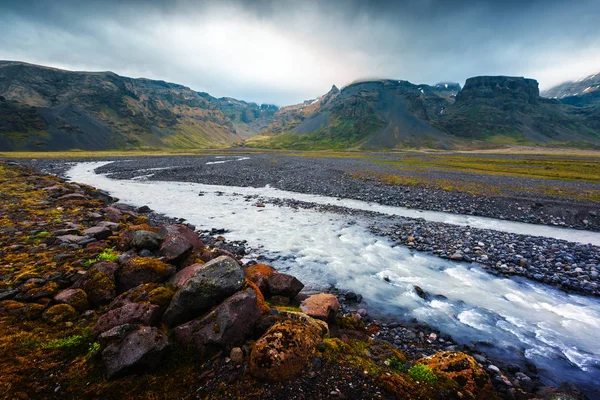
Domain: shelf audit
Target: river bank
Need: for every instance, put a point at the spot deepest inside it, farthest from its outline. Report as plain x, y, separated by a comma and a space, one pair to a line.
71, 303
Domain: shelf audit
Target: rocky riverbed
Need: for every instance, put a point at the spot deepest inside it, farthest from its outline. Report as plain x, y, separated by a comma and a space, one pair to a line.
92, 288
356, 178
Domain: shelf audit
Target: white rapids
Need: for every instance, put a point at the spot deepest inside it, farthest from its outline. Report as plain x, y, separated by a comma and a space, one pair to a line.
556, 331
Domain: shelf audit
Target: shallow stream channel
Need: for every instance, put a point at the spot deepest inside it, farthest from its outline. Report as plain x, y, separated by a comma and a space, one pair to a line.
518, 319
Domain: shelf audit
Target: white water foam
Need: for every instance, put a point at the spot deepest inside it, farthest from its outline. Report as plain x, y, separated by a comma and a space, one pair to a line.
556, 330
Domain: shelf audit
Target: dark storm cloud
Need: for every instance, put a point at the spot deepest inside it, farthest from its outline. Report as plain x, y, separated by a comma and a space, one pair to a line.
286, 51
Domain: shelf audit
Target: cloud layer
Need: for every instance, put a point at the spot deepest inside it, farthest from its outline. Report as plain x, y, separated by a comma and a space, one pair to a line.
286, 51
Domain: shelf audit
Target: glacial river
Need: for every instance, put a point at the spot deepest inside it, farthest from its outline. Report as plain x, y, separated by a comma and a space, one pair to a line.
556, 331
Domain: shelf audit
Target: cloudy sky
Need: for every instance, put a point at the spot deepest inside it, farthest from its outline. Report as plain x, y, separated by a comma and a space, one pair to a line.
282, 52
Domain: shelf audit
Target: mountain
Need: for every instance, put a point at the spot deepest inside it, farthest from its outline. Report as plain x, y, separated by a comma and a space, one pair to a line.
248, 119
577, 88
51, 109
488, 110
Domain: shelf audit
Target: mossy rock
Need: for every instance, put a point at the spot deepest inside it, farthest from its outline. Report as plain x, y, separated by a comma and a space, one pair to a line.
139, 270
147, 293
59, 313
100, 288
283, 351
76, 298
459, 372
21, 310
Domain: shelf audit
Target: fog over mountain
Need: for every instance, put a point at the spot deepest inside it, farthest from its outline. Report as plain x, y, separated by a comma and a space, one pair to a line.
284, 52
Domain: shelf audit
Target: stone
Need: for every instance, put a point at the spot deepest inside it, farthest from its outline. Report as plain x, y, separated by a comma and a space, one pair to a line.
181, 277
183, 230
113, 214
237, 355
219, 279
72, 196
462, 370
59, 313
284, 350
21, 310
323, 306
259, 274
175, 248
456, 257
138, 270
131, 313
71, 238
98, 232
147, 293
140, 351
223, 328
76, 298
284, 285
99, 283
108, 224
145, 240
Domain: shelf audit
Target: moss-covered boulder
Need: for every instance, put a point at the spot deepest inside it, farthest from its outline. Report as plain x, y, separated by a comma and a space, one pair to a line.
283, 351
138, 270
99, 283
76, 298
59, 313
460, 373
21, 310
147, 293
259, 274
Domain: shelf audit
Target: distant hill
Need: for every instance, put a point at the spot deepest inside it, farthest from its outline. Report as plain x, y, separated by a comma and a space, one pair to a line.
487, 111
51, 109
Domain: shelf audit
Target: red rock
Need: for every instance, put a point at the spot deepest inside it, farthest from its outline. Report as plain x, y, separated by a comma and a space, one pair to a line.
180, 278
322, 306
284, 285
76, 298
175, 248
113, 214
72, 196
191, 236
225, 327
131, 313
140, 351
98, 232
71, 238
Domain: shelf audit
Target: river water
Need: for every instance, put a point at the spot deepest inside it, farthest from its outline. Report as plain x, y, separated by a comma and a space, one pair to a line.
558, 332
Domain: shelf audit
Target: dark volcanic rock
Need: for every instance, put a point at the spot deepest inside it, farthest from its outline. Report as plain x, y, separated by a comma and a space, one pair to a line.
145, 240
140, 351
208, 286
225, 327
175, 248
284, 285
131, 313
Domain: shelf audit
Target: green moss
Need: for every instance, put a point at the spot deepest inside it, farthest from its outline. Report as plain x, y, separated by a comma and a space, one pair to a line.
105, 255
422, 373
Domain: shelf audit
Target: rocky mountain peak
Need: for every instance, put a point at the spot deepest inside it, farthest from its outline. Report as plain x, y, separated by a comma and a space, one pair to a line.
500, 87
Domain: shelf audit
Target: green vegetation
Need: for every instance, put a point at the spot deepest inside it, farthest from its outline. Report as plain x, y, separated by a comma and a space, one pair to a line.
396, 364
422, 373
105, 255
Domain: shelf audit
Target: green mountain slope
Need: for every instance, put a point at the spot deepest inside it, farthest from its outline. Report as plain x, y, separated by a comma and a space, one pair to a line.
398, 114
103, 110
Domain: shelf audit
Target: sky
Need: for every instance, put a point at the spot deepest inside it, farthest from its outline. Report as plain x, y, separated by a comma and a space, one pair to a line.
283, 52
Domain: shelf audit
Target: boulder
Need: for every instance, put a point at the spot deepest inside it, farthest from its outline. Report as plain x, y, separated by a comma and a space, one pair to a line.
284, 285
147, 293
98, 232
322, 306
175, 248
138, 270
181, 277
76, 298
113, 214
183, 230
21, 310
59, 313
139, 351
463, 371
259, 274
109, 225
219, 279
131, 313
72, 197
223, 328
283, 351
99, 283
145, 240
